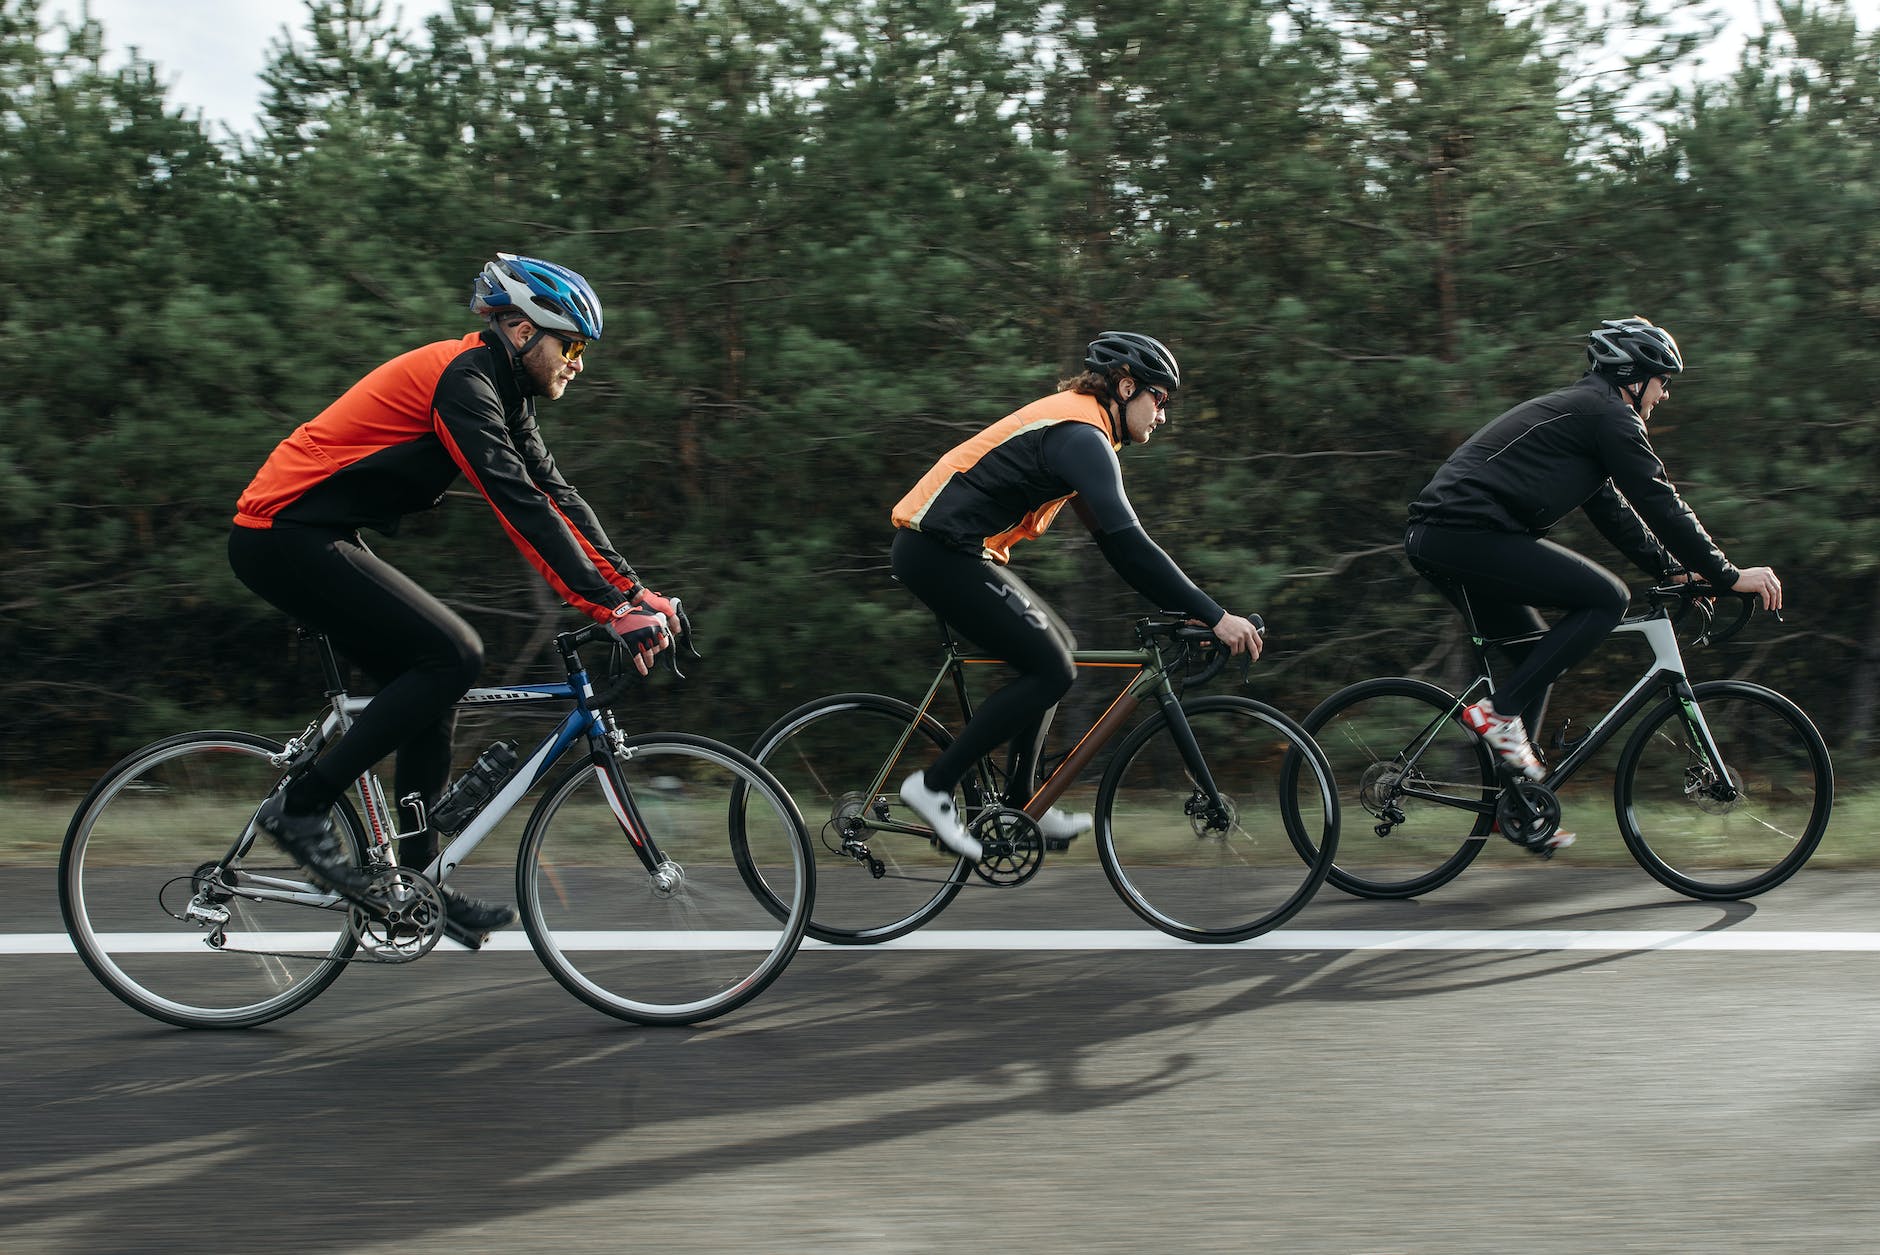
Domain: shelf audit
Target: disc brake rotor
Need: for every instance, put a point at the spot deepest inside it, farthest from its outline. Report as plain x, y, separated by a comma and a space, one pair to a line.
1704, 789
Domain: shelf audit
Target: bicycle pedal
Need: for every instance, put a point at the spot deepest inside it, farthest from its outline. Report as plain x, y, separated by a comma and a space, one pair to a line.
468, 940
1058, 844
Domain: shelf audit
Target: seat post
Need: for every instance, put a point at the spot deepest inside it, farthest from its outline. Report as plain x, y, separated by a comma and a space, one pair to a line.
329, 661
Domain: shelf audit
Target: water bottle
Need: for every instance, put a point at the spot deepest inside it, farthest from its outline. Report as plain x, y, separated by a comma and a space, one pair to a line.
463, 799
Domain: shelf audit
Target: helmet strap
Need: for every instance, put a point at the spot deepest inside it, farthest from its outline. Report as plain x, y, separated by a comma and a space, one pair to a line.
1119, 420
516, 354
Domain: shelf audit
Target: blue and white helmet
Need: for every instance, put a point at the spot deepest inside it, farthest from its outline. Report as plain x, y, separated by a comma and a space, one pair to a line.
555, 298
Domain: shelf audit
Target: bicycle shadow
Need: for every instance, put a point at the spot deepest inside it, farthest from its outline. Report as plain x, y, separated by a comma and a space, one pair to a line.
511, 1099
486, 1085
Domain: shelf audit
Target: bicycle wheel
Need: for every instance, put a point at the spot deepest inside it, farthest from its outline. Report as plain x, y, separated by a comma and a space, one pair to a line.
1676, 817
1382, 737
692, 941
147, 842
827, 753
1225, 878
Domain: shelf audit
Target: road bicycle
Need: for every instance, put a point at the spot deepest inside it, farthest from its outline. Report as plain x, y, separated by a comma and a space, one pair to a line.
1188, 815
625, 877
1723, 791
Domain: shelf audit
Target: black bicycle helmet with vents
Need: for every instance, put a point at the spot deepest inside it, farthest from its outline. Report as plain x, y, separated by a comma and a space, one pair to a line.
1145, 358
1628, 350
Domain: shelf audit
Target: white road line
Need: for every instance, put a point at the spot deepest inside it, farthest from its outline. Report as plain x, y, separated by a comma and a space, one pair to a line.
1290, 940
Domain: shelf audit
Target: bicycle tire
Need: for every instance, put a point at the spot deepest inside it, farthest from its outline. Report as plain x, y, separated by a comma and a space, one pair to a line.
1365, 730
1217, 883
825, 752
649, 953
138, 842
1702, 845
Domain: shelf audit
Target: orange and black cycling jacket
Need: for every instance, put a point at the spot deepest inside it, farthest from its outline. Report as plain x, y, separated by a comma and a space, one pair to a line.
397, 439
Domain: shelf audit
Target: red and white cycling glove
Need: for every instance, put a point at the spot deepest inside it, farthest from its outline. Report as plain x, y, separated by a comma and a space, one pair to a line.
643, 631
646, 599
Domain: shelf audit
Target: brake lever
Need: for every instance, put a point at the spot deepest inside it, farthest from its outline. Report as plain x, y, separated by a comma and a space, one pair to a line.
1707, 611
680, 635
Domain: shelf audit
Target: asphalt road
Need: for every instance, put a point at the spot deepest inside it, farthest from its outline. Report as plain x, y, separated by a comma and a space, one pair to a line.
1198, 1099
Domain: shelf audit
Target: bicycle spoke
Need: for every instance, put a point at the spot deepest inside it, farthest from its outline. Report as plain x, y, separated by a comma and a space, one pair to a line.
1712, 837
141, 850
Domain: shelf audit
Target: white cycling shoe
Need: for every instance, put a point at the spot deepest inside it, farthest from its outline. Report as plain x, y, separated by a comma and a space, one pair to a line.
941, 815
1061, 825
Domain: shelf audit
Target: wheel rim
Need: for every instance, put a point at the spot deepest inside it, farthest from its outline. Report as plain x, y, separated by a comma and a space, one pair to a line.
693, 941
1726, 834
1381, 742
136, 851
1207, 873
825, 760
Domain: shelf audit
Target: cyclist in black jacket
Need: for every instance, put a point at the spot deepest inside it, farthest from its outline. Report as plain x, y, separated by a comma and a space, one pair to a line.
1481, 522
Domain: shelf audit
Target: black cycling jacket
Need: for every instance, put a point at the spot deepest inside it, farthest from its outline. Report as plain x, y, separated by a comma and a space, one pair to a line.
1582, 446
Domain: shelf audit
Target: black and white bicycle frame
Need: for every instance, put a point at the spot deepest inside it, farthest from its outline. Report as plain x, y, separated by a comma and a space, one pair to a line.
1666, 674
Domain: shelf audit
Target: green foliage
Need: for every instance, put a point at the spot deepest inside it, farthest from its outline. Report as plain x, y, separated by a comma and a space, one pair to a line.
833, 240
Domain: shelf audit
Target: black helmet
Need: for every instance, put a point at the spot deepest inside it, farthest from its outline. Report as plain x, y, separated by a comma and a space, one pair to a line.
1631, 349
1146, 359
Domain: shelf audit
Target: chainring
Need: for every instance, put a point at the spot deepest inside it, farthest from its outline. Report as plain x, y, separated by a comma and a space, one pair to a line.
406, 920
1014, 846
1529, 833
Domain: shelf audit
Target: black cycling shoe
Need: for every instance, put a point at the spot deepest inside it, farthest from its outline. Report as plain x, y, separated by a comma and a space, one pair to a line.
311, 842
470, 920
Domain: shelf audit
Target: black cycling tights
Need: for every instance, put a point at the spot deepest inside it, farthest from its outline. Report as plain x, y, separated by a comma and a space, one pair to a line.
1506, 575
421, 653
992, 608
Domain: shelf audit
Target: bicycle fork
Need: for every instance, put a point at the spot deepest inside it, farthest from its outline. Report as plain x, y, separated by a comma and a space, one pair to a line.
610, 751
1214, 811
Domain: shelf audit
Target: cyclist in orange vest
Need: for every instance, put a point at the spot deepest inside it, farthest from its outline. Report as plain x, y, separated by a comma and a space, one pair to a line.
956, 528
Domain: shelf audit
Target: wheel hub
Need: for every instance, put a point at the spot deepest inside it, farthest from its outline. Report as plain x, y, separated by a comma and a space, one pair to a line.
1708, 793
1379, 787
1210, 822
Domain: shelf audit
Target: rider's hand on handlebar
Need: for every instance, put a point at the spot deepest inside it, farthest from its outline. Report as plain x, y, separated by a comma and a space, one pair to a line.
643, 632
1238, 634
1762, 581
656, 603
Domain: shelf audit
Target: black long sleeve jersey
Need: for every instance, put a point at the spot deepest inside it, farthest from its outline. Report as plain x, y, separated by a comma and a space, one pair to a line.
1580, 447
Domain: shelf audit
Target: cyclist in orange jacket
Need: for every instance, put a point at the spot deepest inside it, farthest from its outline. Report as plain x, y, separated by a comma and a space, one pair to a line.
391, 446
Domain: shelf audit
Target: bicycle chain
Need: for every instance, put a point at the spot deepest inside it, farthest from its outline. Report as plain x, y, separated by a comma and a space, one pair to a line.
342, 905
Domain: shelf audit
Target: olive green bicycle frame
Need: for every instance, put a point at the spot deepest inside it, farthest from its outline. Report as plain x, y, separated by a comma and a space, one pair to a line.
1151, 679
